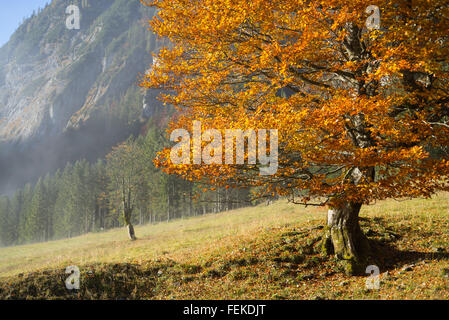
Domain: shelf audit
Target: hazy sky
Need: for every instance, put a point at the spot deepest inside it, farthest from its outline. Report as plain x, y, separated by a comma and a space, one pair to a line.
12, 13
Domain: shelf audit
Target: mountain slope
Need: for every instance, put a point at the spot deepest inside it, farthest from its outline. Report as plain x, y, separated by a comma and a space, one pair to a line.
55, 81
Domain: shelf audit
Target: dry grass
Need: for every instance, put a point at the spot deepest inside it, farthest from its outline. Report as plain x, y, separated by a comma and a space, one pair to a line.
264, 252
176, 240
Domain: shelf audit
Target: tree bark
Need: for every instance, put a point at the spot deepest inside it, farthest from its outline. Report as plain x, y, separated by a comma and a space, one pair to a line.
345, 239
131, 232
129, 225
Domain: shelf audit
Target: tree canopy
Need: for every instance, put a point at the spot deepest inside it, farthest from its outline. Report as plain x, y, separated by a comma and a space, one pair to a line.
358, 99
361, 112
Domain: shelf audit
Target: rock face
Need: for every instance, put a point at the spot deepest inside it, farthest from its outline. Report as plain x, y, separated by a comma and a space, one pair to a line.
54, 81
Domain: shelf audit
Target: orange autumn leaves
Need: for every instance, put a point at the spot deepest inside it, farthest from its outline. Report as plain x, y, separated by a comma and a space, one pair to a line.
313, 71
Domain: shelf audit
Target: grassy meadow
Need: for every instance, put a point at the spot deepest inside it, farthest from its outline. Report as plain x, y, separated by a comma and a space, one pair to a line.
263, 252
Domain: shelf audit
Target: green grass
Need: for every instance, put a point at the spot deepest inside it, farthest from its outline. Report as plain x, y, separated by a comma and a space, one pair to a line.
264, 252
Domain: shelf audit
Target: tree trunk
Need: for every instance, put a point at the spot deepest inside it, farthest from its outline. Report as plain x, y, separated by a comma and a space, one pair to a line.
345, 239
190, 200
129, 225
168, 205
131, 232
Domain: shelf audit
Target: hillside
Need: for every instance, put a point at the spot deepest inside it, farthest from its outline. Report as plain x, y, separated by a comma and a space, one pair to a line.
264, 252
53, 78
72, 93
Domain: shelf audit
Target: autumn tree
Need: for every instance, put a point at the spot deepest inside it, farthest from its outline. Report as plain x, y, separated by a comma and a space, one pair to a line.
359, 106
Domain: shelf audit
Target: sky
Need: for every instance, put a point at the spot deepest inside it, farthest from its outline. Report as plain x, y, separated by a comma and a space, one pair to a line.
12, 14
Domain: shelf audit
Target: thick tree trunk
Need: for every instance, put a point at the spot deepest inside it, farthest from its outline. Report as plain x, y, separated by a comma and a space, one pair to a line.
344, 238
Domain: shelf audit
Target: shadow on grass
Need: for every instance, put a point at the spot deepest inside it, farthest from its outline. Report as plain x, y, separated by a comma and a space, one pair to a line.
390, 257
384, 242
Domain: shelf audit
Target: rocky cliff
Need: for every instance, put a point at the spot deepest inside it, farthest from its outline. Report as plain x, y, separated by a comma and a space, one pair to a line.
66, 94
